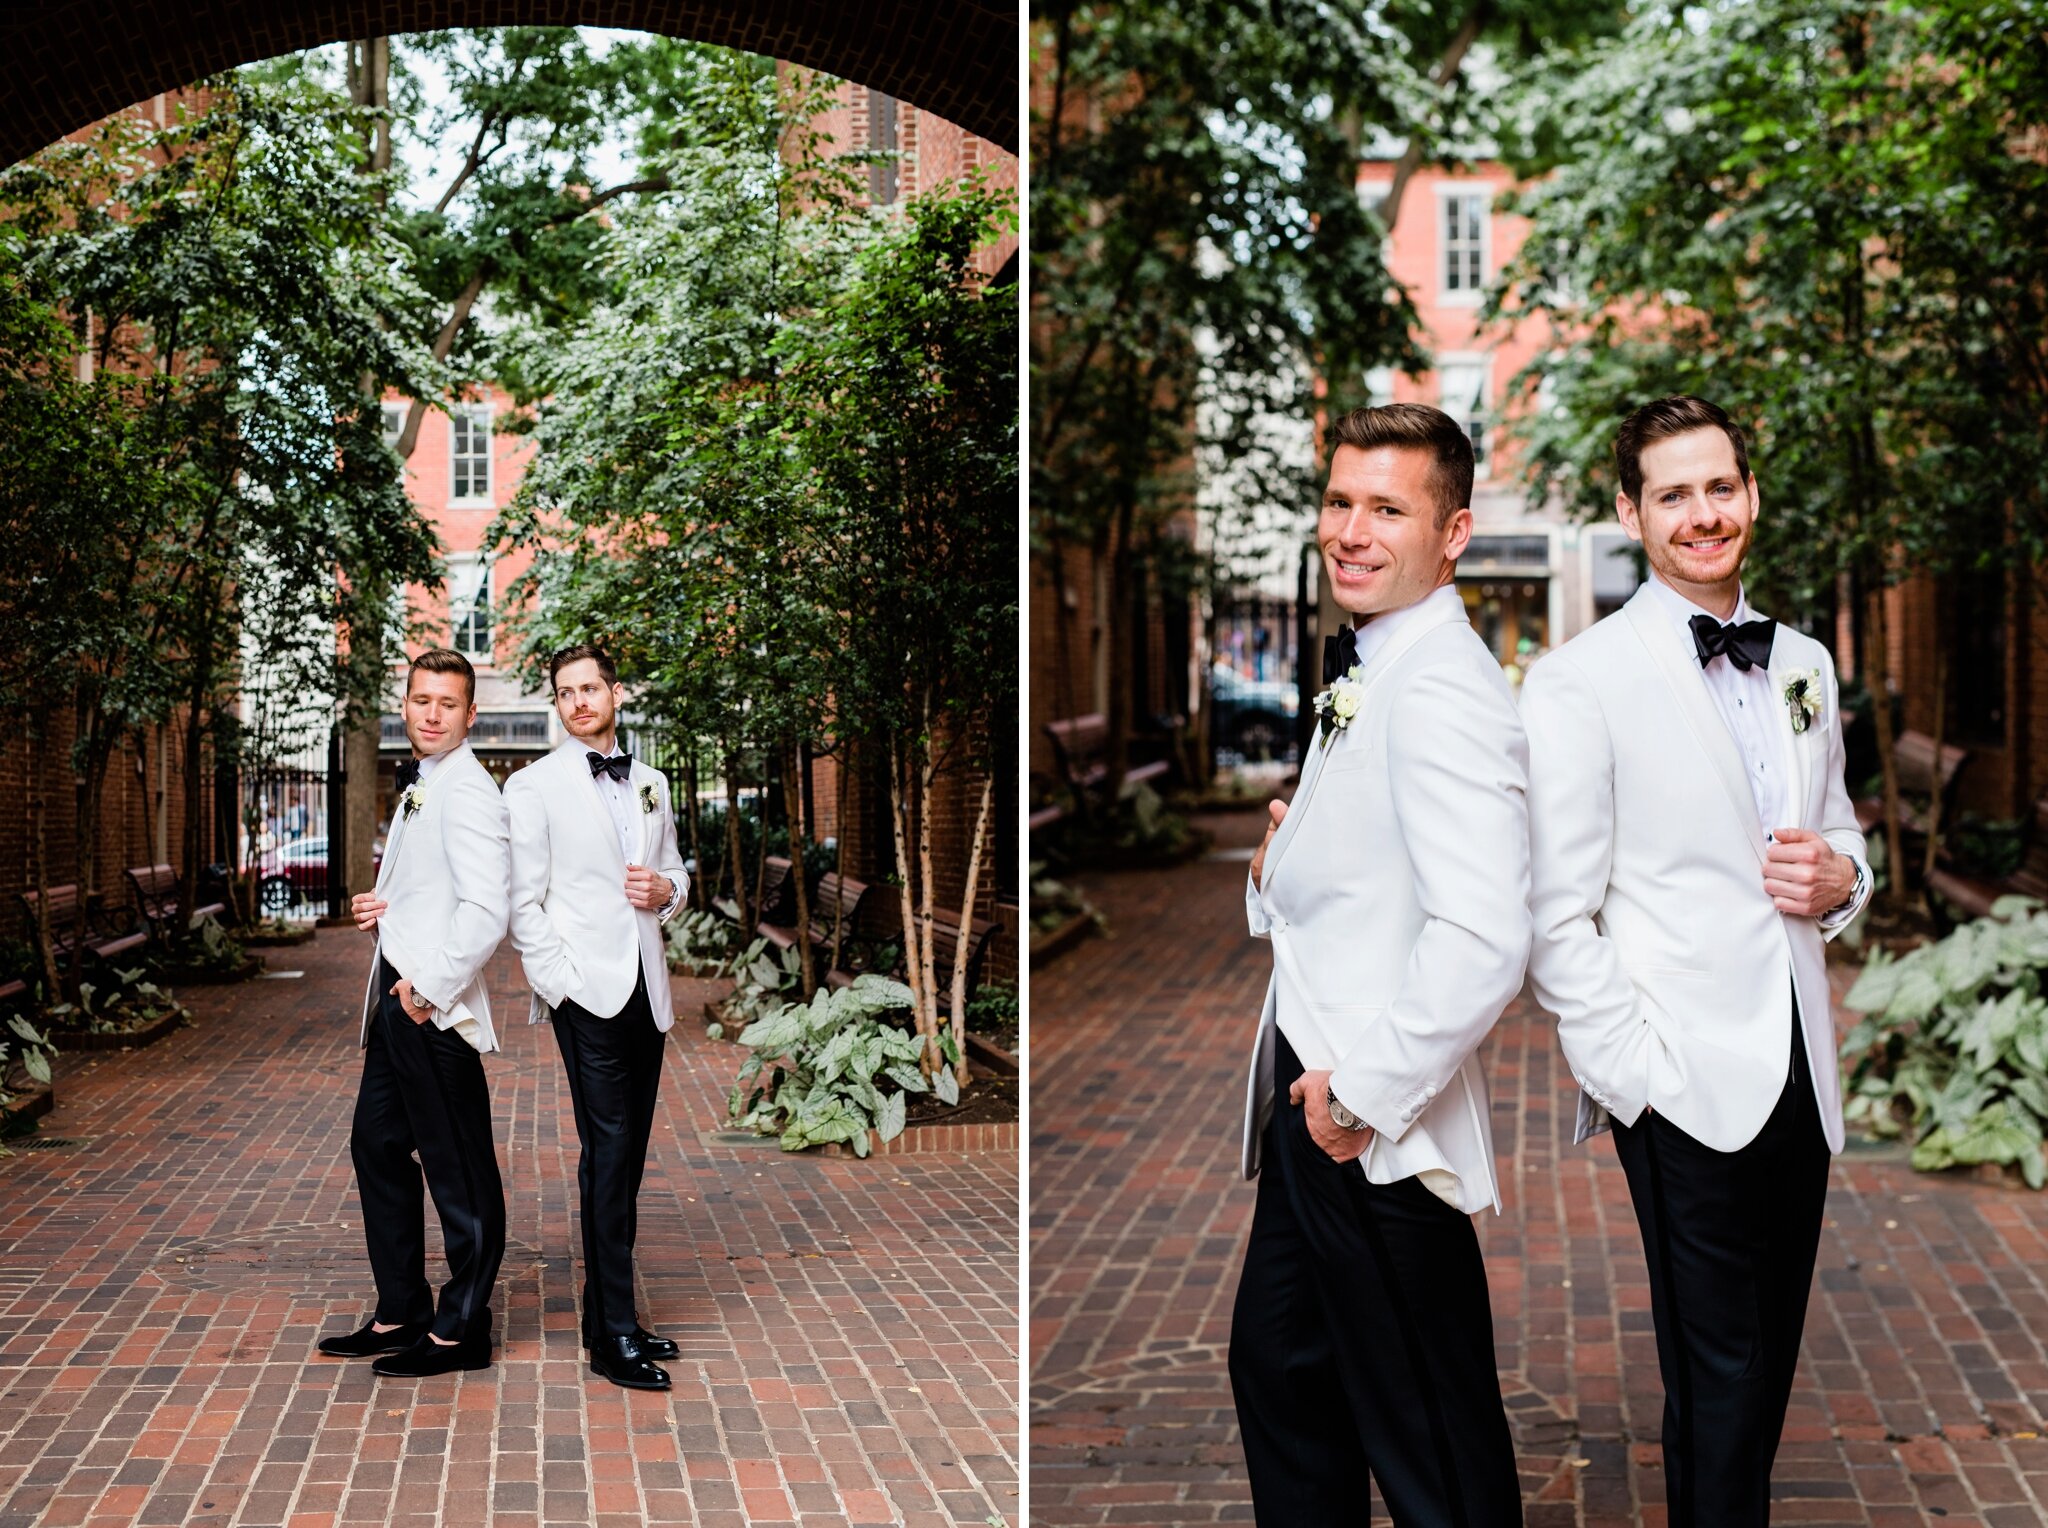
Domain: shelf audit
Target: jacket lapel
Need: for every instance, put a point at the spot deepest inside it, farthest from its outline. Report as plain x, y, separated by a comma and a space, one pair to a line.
1797, 744
1312, 770
402, 826
1681, 674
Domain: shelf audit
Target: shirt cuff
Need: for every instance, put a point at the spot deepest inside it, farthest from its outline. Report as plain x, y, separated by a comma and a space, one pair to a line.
675, 898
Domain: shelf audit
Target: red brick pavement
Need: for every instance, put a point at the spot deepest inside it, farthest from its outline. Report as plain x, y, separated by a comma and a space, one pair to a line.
1921, 1394
849, 1342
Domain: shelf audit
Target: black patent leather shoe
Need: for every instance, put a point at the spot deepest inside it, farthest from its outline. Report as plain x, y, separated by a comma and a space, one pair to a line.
651, 1346
368, 1342
624, 1362
427, 1357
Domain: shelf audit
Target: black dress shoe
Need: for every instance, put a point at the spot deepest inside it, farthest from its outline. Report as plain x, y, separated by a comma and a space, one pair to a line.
369, 1342
624, 1362
651, 1346
427, 1357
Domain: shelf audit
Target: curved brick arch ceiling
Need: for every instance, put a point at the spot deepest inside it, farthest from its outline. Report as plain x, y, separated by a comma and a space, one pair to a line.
71, 64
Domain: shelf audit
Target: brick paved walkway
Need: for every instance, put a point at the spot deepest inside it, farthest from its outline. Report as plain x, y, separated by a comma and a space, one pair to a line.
848, 1329
1921, 1396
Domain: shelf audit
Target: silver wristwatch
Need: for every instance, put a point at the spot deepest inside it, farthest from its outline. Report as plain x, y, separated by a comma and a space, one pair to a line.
1340, 1116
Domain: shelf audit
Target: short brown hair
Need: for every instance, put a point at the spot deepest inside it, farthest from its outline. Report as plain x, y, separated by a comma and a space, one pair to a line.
576, 653
441, 660
1680, 414
1416, 426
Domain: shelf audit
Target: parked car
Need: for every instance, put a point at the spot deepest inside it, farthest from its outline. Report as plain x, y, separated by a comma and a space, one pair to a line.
296, 873
1252, 717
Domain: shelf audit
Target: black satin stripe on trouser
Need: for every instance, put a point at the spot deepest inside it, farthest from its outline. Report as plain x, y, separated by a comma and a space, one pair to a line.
1363, 1339
423, 1090
614, 1069
1731, 1238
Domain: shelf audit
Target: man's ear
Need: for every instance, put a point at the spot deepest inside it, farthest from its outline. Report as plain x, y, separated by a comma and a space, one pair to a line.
1625, 511
1461, 534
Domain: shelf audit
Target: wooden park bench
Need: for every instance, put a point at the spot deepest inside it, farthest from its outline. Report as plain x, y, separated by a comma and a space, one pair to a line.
1973, 895
67, 932
156, 900
1919, 785
867, 912
1080, 745
945, 938
778, 895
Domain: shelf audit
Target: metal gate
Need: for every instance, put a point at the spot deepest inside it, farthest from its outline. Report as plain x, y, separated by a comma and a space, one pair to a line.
292, 828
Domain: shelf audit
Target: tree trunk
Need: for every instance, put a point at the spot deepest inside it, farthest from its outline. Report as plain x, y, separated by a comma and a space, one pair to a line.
1877, 671
194, 815
960, 945
792, 793
839, 909
1121, 640
1934, 822
925, 938
39, 870
700, 896
913, 969
735, 870
1445, 71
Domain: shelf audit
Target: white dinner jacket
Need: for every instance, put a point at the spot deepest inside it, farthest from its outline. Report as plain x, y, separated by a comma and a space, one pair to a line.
446, 877
1669, 969
577, 935
1396, 897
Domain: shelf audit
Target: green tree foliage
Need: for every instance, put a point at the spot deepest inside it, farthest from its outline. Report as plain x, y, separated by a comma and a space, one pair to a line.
1194, 173
1829, 217
218, 486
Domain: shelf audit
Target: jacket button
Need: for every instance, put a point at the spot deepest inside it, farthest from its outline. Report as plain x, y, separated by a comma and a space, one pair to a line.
1429, 1092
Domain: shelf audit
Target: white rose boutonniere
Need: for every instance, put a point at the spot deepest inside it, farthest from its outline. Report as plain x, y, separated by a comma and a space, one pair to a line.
1803, 697
413, 799
648, 803
1339, 703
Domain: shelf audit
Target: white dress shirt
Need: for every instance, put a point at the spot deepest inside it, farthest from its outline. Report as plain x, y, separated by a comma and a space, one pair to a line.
625, 810
1754, 716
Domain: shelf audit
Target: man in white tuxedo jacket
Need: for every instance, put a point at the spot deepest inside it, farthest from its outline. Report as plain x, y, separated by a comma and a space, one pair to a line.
438, 911
595, 873
1395, 894
1693, 847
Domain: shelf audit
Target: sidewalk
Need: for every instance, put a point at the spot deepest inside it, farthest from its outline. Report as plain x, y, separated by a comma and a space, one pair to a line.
1922, 1392
847, 1328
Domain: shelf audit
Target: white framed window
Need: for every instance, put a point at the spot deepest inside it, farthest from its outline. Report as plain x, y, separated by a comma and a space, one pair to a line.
1379, 386
1372, 196
393, 423
469, 604
469, 453
1465, 393
1464, 217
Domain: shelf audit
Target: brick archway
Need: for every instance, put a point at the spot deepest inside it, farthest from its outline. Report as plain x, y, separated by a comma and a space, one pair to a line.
72, 64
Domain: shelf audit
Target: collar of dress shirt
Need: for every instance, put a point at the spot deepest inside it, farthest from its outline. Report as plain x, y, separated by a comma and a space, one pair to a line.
432, 762
1379, 631
1681, 610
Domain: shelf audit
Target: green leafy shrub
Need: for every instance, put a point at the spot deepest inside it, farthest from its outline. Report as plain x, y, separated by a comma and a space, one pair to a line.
835, 1068
992, 1007
763, 980
1054, 903
30, 1049
701, 943
132, 1003
1952, 1050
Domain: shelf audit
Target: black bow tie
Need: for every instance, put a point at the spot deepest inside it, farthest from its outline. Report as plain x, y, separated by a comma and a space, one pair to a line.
1747, 646
1340, 654
408, 775
618, 766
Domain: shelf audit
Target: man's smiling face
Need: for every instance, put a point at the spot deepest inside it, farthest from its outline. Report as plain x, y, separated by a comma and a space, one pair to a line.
1697, 512
1382, 547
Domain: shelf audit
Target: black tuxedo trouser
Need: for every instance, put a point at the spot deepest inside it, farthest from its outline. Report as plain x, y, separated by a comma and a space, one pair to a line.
614, 1067
1731, 1238
1362, 1340
423, 1091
